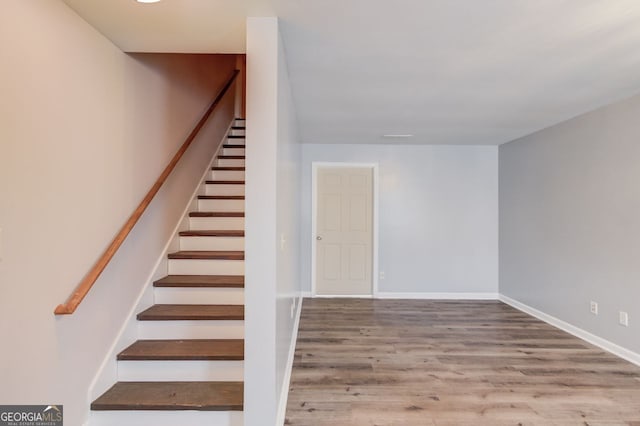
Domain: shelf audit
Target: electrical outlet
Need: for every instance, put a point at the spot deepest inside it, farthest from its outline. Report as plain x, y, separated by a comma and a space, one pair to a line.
382, 275
283, 242
624, 319
594, 308
293, 308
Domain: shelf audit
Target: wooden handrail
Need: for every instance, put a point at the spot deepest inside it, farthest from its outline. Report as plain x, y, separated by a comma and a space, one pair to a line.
70, 305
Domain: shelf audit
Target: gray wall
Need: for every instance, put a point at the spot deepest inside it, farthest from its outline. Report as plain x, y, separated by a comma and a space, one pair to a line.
438, 219
570, 221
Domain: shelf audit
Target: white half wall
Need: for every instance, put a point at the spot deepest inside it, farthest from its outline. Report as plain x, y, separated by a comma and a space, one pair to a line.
288, 287
84, 132
272, 222
569, 221
438, 216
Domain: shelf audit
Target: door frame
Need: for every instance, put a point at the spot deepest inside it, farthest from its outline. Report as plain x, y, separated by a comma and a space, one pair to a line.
315, 165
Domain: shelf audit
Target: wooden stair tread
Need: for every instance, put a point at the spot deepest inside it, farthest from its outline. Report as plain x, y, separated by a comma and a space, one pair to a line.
192, 312
236, 136
216, 214
212, 233
224, 182
202, 396
233, 146
208, 254
188, 350
236, 281
220, 197
232, 157
238, 127
229, 168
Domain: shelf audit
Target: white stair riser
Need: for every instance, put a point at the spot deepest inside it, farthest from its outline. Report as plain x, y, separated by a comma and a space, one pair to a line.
205, 267
199, 295
221, 205
191, 329
216, 223
212, 243
233, 151
223, 189
227, 162
166, 418
237, 132
185, 371
235, 142
227, 175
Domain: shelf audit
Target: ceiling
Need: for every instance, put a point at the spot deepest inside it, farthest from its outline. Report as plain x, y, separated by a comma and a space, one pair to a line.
447, 71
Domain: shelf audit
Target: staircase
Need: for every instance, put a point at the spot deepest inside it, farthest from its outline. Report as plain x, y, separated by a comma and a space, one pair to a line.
187, 367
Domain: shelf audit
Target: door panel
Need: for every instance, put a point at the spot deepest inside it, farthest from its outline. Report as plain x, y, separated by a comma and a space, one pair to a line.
357, 262
358, 213
331, 265
344, 244
332, 206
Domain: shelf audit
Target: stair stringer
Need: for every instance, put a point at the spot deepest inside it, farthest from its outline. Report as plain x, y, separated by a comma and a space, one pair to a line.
108, 372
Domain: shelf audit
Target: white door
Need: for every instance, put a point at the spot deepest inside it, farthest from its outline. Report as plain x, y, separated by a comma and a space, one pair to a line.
344, 243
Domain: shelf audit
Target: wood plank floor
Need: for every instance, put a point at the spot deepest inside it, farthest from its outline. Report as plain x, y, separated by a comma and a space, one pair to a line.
417, 362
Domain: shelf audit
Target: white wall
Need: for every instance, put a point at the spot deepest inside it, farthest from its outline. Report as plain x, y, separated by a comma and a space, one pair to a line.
438, 218
288, 288
272, 216
84, 131
570, 221
260, 221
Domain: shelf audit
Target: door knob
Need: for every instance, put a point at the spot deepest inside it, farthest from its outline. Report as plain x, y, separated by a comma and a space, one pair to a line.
318, 238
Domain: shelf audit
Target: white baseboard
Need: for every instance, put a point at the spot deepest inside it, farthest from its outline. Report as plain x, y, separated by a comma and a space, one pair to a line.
284, 393
608, 346
438, 296
420, 295
343, 296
